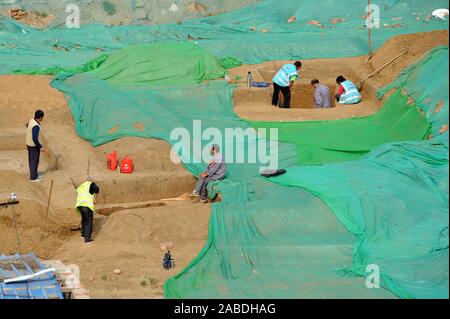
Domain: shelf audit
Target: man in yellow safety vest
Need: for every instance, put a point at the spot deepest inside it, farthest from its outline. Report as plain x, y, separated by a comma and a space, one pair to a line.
86, 193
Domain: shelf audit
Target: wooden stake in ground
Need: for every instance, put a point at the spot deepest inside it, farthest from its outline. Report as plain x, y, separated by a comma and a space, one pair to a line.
73, 183
88, 176
75, 186
369, 27
48, 201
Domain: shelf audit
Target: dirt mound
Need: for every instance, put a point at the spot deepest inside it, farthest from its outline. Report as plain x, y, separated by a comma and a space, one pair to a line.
36, 232
155, 225
417, 45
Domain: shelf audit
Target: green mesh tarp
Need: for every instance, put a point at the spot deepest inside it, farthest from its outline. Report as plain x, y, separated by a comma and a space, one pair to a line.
321, 142
116, 111
253, 250
396, 202
253, 34
160, 64
91, 65
396, 198
269, 240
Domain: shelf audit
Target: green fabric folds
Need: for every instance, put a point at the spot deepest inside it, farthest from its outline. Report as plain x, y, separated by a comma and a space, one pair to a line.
320, 142
229, 62
395, 199
253, 34
428, 84
160, 64
91, 65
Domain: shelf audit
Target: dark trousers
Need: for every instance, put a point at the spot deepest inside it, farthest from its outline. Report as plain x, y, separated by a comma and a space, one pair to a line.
286, 95
200, 187
33, 161
87, 218
202, 182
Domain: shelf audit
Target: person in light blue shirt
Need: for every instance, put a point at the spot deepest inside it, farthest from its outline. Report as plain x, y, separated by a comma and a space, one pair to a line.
283, 81
348, 92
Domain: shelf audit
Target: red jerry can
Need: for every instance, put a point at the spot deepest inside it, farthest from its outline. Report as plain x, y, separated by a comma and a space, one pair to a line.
111, 160
126, 165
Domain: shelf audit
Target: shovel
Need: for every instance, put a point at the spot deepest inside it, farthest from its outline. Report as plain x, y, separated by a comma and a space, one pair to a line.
361, 83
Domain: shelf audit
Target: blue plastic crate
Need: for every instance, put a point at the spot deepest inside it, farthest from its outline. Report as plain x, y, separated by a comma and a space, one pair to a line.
44, 286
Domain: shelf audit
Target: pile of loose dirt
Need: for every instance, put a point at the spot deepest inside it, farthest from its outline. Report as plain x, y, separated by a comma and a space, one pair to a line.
35, 19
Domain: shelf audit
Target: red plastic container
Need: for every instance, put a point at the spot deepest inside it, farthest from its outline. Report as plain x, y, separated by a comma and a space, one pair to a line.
111, 160
126, 165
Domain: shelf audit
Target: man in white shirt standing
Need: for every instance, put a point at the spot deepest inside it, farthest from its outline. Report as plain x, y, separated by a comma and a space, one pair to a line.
283, 81
34, 146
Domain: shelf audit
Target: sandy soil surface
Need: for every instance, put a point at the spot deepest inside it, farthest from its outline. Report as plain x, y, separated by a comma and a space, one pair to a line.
255, 103
133, 220
132, 241
33, 18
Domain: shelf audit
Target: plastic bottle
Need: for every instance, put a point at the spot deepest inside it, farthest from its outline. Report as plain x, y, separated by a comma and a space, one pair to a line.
249, 79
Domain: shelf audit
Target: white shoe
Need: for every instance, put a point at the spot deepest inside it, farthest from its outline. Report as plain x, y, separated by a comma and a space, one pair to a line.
195, 194
37, 180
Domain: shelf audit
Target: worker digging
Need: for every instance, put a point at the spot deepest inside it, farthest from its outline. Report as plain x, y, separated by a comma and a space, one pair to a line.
86, 194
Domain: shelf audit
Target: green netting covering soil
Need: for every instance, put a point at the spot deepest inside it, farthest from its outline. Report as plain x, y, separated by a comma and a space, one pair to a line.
160, 64
91, 65
321, 142
117, 12
327, 28
417, 251
312, 232
427, 83
268, 240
